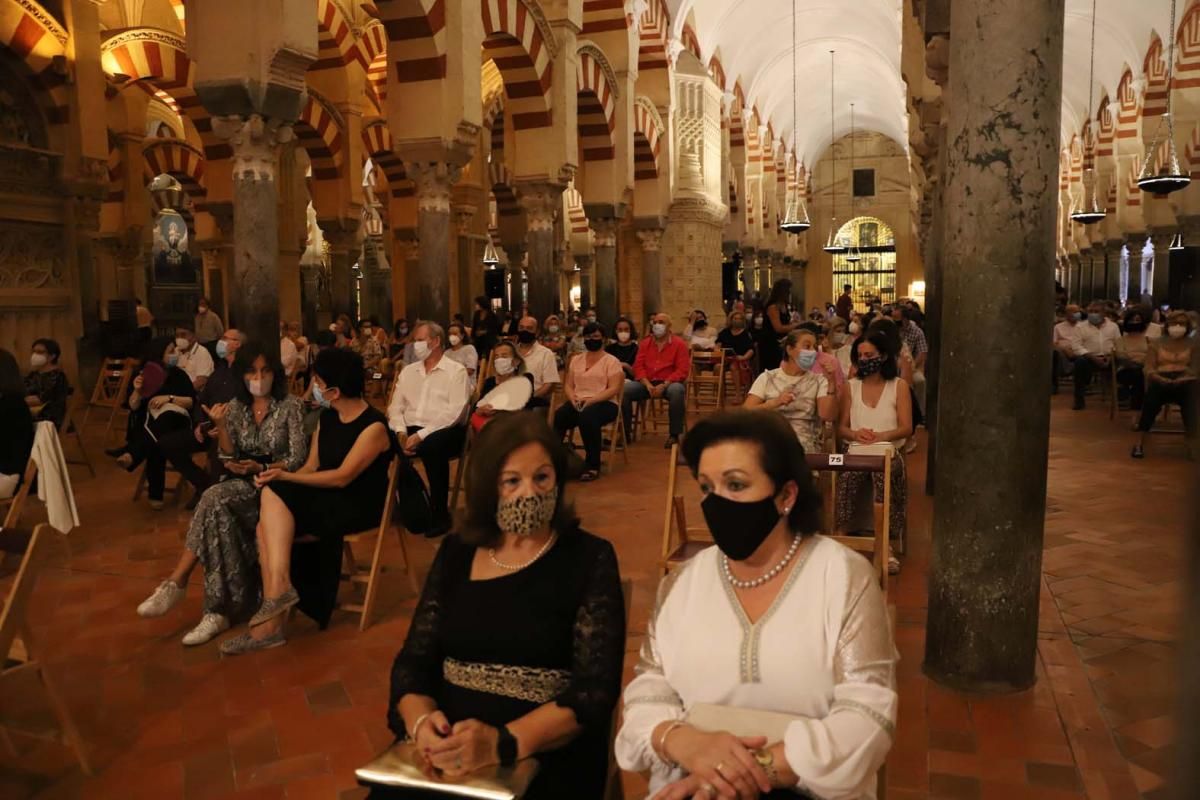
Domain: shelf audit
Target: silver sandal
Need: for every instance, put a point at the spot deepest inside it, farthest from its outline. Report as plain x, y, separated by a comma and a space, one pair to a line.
248, 644
272, 607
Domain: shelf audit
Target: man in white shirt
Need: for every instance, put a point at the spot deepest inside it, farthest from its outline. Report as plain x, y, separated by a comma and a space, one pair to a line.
1093, 350
428, 411
293, 350
539, 362
194, 358
1066, 343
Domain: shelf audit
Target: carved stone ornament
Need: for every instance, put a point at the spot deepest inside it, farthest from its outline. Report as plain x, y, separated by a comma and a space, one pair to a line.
31, 256
29, 172
463, 214
698, 209
255, 144
434, 181
604, 233
651, 239
541, 203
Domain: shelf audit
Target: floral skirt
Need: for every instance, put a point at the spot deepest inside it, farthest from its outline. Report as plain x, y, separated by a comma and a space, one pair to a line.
857, 492
222, 535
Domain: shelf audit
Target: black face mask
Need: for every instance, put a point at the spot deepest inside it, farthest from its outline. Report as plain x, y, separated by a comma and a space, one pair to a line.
1135, 327
593, 344
526, 337
739, 528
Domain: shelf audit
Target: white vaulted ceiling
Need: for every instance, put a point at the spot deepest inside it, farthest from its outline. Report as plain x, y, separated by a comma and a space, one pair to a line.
753, 39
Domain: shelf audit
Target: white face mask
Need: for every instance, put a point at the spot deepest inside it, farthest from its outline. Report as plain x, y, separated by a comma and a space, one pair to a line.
552, 329
260, 387
455, 339
503, 365
421, 350
854, 328
182, 345
659, 329
1177, 331
37, 360
622, 336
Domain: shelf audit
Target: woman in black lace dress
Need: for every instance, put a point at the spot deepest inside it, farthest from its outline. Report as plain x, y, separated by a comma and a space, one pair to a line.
516, 646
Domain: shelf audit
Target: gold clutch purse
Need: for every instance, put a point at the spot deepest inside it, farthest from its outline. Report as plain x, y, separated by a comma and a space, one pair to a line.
741, 722
401, 767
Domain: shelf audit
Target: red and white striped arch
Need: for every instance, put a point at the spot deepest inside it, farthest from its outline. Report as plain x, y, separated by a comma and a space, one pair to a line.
35, 37
318, 132
335, 39
180, 13
180, 160
502, 189
576, 216
160, 58
652, 37
416, 33
372, 55
691, 42
601, 16
1187, 51
647, 138
516, 44
1107, 130
1155, 70
596, 108
377, 141
1127, 107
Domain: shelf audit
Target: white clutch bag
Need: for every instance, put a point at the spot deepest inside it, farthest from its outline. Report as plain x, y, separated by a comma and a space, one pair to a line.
741, 722
879, 449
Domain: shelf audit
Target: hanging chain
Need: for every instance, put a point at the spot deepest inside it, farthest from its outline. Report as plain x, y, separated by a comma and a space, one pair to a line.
1170, 78
832, 135
1092, 69
796, 202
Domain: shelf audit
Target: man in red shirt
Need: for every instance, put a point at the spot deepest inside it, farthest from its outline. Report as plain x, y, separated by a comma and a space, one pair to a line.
659, 370
845, 303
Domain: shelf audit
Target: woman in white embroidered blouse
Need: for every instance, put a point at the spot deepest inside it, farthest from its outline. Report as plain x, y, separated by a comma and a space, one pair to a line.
772, 619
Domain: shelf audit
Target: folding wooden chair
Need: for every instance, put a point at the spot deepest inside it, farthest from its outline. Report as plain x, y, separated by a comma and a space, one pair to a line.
612, 436
707, 389
176, 492
112, 387
876, 548
654, 413
68, 428
367, 575
16, 503
19, 649
679, 542
460, 471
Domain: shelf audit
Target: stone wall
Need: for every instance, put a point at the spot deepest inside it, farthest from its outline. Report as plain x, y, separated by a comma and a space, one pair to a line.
691, 264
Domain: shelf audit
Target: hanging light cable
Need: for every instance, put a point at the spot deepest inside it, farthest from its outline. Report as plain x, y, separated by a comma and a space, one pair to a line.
1090, 213
854, 254
795, 218
832, 245
1169, 178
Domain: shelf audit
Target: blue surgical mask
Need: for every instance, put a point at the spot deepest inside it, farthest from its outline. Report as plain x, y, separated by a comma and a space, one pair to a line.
172, 359
222, 349
320, 397
1077, 316
1096, 319
806, 358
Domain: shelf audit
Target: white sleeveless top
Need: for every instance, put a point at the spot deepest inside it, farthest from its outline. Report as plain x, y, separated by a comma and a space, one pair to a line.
883, 417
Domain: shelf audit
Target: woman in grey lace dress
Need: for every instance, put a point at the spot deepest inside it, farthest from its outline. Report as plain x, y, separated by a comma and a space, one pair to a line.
262, 426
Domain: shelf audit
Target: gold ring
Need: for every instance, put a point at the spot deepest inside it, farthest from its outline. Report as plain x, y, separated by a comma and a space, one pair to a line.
720, 766
708, 789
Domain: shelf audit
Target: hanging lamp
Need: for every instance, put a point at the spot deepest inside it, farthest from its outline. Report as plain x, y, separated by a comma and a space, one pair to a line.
1177, 243
854, 254
795, 217
491, 259
1170, 178
832, 245
1091, 213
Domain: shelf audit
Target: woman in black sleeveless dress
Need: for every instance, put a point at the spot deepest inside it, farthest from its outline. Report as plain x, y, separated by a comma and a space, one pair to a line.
776, 325
340, 489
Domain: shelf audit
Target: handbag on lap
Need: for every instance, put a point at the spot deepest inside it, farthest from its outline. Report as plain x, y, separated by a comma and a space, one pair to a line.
401, 767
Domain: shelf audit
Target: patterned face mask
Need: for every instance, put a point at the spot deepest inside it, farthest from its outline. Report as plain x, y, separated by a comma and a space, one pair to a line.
525, 516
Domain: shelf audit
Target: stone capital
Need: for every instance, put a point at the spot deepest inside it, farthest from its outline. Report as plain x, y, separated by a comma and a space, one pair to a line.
434, 182
255, 141
651, 239
604, 232
1162, 237
464, 213
541, 202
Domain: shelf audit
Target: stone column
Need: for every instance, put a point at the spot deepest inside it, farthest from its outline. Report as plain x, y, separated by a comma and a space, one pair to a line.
343, 250
1135, 242
651, 239
1085, 276
1161, 277
587, 296
434, 180
764, 275
1000, 206
516, 275
605, 245
310, 297
254, 294
749, 277
541, 202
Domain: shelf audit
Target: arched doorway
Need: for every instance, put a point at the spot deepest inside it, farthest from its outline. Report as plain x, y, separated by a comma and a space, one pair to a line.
873, 276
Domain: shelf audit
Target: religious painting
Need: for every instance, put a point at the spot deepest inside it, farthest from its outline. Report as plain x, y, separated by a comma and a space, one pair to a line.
172, 262
868, 234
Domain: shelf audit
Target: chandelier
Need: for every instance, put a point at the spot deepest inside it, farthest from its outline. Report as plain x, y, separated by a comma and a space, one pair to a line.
1090, 213
832, 245
854, 254
491, 259
795, 217
1169, 177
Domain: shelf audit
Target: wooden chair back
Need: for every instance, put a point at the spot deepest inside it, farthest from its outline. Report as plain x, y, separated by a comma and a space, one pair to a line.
876, 547
19, 650
707, 389
70, 428
653, 414
16, 503
679, 542
111, 389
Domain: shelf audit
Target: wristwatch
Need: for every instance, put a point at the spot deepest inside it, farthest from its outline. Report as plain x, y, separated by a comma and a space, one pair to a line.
506, 747
767, 762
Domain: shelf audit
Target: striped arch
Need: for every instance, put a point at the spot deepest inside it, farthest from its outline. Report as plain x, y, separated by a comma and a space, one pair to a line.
1127, 107
36, 38
180, 160
377, 141
1155, 70
647, 137
501, 187
652, 36
691, 42
600, 16
371, 53
1187, 51
180, 13
524, 57
319, 132
575, 215
416, 33
717, 71
1107, 131
116, 180
335, 41
597, 106
160, 59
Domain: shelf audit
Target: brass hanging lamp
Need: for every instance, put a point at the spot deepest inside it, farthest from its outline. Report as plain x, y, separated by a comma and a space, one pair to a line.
1169, 177
1091, 213
491, 259
832, 245
854, 254
1177, 243
795, 217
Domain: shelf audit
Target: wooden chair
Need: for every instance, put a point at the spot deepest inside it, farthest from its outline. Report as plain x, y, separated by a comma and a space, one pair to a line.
367, 575
612, 435
612, 788
112, 387
707, 389
876, 548
654, 413
69, 428
460, 471
734, 387
176, 492
19, 648
679, 542
16, 503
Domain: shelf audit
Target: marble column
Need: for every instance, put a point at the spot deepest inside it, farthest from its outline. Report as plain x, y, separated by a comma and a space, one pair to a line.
651, 239
749, 276
587, 273
515, 251
1000, 205
1161, 276
434, 180
1085, 276
310, 297
605, 248
343, 251
377, 281
254, 294
542, 202
1135, 243
1112, 268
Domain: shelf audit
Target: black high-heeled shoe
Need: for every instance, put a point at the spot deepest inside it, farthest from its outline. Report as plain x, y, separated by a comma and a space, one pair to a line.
1137, 452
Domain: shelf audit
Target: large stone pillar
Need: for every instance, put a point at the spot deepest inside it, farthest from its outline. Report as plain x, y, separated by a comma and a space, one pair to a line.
254, 295
541, 202
749, 277
1000, 205
1135, 242
1161, 276
587, 272
605, 247
434, 181
651, 239
343, 250
515, 251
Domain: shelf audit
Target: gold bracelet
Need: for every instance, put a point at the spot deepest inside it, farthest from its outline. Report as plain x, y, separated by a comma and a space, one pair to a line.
412, 737
662, 742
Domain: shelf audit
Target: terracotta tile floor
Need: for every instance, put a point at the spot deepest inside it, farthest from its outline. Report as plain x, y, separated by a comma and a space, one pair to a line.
164, 721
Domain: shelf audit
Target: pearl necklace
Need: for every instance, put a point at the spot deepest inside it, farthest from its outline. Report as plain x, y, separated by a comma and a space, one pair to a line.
518, 567
761, 579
